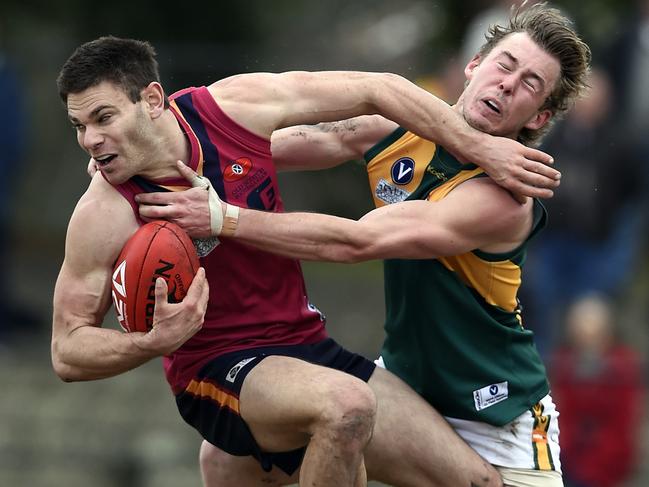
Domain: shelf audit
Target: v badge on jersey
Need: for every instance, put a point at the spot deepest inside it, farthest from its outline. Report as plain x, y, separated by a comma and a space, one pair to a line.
403, 170
490, 395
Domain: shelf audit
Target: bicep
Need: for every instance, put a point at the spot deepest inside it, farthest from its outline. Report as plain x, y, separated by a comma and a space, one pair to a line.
82, 292
81, 296
264, 102
474, 215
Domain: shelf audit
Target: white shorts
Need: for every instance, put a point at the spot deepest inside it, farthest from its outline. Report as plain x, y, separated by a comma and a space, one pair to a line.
531, 441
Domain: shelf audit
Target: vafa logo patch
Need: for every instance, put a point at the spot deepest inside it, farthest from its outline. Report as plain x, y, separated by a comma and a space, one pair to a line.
403, 170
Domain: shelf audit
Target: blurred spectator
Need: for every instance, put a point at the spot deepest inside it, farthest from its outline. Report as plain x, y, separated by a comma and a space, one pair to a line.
12, 145
594, 225
448, 82
598, 387
495, 13
627, 61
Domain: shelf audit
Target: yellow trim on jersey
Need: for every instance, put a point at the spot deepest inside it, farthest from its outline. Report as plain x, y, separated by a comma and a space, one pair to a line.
497, 282
441, 191
208, 390
408, 145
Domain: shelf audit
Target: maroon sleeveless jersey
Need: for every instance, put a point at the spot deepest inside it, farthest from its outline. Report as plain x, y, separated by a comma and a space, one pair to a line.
256, 299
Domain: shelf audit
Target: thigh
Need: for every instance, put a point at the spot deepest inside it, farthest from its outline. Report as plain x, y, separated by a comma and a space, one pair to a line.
413, 445
283, 397
220, 469
263, 401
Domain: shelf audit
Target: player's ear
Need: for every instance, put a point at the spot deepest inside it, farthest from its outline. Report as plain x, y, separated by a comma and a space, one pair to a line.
154, 99
471, 66
539, 120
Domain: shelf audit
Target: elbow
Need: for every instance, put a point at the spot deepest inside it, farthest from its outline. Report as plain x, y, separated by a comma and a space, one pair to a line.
352, 252
391, 78
62, 369
352, 255
387, 83
348, 242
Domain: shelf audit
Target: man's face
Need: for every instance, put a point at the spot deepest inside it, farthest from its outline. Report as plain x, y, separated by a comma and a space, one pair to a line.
507, 88
116, 132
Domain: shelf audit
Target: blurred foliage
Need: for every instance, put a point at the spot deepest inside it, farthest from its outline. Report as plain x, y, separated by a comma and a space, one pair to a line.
252, 20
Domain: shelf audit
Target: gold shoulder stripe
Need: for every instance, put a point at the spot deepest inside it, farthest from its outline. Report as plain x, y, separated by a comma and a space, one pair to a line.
445, 188
496, 282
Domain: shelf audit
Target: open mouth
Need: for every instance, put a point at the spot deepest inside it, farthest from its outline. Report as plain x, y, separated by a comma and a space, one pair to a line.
492, 106
105, 160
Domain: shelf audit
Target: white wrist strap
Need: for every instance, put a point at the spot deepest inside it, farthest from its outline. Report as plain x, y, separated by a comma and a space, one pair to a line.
218, 224
216, 212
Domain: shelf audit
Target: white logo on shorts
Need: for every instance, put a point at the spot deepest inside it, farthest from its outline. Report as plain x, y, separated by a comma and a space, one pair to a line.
232, 374
490, 395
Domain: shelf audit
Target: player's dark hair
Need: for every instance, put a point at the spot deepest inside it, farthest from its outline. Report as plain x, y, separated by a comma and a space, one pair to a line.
555, 33
128, 63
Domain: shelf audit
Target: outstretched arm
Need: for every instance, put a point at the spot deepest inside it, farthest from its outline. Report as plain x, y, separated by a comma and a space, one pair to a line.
409, 230
265, 102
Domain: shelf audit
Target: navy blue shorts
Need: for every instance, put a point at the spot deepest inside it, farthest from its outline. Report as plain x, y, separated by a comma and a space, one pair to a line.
210, 403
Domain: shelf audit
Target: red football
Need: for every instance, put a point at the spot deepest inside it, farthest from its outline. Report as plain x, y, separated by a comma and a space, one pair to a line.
157, 249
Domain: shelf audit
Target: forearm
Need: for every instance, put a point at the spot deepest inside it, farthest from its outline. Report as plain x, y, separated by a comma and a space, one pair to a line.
311, 147
90, 352
425, 115
306, 236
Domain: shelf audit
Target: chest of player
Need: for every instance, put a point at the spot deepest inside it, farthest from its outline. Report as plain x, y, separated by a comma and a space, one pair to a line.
404, 166
236, 161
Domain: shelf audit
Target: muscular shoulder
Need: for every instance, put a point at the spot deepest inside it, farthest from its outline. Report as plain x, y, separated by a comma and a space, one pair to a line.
246, 99
100, 225
505, 222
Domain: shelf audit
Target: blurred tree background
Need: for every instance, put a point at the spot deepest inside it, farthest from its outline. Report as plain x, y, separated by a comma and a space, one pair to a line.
125, 431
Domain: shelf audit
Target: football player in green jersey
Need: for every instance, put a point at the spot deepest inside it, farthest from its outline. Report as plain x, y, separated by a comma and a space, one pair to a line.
454, 243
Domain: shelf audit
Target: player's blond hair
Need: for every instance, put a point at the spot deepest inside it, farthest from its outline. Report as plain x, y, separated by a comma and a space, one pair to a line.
555, 33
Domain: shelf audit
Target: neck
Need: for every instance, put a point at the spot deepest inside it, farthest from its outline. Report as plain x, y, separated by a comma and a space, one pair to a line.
170, 145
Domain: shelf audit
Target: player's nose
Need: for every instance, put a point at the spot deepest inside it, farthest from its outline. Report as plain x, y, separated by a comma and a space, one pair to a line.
91, 139
507, 84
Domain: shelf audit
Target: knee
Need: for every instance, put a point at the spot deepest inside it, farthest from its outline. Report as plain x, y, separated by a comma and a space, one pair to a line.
348, 414
489, 477
214, 465
208, 461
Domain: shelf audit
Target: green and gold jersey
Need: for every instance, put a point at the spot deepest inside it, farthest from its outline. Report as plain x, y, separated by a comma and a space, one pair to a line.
453, 325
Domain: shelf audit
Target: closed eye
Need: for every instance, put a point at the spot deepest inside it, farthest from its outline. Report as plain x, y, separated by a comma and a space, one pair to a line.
531, 84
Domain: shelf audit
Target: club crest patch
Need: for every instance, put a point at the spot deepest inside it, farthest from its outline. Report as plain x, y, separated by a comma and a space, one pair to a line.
403, 170
237, 169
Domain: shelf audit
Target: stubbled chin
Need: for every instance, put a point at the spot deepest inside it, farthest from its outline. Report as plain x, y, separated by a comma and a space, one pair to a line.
113, 177
479, 123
